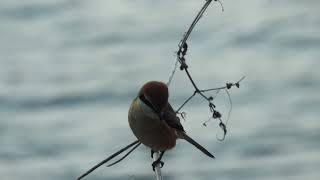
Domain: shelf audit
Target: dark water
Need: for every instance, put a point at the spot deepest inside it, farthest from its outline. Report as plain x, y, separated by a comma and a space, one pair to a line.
69, 70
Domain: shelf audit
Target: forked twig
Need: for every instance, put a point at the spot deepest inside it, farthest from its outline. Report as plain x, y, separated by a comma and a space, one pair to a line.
109, 158
129, 152
180, 57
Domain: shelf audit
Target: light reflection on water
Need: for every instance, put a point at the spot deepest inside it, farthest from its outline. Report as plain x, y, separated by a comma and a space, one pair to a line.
69, 70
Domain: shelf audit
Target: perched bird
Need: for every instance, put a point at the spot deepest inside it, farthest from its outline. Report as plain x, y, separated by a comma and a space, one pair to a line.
154, 122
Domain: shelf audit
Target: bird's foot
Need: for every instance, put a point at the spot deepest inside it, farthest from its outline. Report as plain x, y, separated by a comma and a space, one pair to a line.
155, 163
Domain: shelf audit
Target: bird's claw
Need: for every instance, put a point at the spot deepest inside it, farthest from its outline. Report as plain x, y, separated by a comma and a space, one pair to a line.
155, 163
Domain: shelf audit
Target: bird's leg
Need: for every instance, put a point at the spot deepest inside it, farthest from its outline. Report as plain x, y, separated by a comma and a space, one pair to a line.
152, 152
156, 162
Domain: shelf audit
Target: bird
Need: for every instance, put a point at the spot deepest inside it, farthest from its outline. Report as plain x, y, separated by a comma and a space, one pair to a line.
154, 123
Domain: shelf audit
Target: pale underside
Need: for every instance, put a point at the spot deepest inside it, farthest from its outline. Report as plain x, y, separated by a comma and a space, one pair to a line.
149, 129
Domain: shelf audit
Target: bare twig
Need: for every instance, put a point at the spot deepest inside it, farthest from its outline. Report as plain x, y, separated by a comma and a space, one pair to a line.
129, 152
227, 86
182, 44
108, 159
180, 57
158, 166
177, 111
220, 4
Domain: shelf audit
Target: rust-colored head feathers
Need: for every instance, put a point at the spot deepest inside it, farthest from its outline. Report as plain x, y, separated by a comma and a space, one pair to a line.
156, 93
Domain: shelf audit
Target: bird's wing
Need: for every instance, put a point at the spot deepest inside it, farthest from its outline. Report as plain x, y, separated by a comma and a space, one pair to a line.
173, 121
171, 118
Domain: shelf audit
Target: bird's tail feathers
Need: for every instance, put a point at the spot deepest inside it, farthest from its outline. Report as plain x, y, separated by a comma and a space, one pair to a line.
193, 142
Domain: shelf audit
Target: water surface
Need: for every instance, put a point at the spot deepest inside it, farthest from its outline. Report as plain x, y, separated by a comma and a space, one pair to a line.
69, 70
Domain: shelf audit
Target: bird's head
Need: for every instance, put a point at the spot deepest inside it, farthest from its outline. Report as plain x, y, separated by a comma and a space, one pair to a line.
155, 95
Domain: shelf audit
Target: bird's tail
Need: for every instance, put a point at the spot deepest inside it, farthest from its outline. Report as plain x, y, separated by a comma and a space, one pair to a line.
193, 142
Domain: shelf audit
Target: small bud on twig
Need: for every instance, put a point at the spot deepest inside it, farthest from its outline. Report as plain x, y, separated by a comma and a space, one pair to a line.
229, 85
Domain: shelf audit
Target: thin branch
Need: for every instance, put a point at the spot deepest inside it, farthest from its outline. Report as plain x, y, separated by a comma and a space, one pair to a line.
182, 44
125, 155
227, 86
230, 109
107, 159
182, 51
158, 166
193, 24
191, 80
222, 8
172, 73
177, 111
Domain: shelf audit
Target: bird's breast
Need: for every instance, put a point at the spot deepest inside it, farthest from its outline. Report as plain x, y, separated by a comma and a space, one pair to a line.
149, 129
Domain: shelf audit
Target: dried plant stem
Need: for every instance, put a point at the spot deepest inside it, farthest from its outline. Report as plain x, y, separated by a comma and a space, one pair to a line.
157, 171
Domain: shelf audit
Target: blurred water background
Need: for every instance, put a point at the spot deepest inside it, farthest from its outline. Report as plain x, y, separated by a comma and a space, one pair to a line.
69, 70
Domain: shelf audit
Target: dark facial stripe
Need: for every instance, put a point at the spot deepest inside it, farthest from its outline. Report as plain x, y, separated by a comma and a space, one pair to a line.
143, 99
